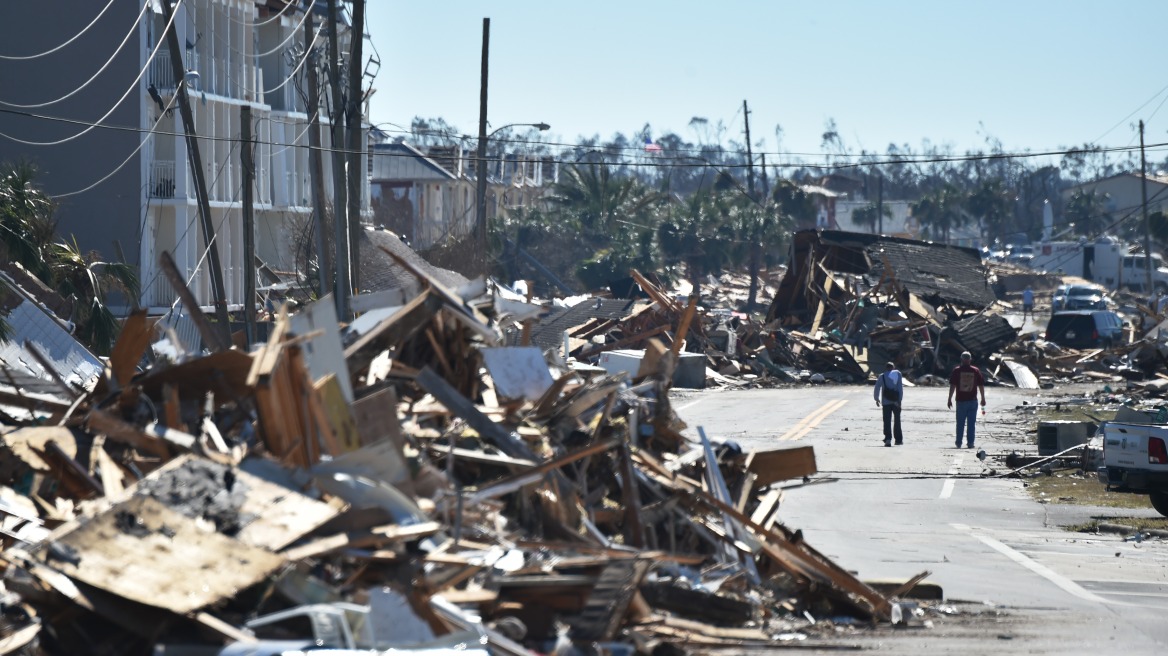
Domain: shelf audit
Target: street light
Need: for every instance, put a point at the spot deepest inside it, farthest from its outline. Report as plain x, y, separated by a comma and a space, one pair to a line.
481, 185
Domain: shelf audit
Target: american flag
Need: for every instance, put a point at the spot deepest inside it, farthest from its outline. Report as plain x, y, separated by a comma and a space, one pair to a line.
651, 147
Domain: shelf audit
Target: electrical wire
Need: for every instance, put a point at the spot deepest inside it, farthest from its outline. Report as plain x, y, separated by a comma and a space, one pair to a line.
98, 123
665, 162
1136, 110
307, 54
71, 39
295, 31
287, 5
169, 107
294, 143
186, 231
121, 46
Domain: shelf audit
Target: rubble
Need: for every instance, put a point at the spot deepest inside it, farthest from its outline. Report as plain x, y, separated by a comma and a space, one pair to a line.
418, 479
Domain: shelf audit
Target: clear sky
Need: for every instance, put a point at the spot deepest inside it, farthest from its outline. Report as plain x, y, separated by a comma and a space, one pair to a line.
1035, 74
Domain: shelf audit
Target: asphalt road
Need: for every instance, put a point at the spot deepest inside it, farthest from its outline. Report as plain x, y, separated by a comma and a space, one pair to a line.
1022, 583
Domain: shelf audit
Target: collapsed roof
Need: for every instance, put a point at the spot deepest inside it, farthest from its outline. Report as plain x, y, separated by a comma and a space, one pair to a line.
936, 273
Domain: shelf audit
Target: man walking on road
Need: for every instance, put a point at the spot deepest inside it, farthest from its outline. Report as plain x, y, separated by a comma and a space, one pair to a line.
890, 389
1027, 303
967, 381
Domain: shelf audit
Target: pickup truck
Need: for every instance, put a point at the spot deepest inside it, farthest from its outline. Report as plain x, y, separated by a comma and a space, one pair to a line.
1135, 459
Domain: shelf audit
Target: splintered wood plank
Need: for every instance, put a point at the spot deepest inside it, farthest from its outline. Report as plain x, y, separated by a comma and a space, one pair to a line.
145, 552
683, 325
339, 413
777, 465
132, 343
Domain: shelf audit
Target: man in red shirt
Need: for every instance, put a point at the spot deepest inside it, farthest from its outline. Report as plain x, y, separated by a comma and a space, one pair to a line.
966, 380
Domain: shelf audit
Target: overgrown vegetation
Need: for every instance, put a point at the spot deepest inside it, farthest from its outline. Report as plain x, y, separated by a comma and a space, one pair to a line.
699, 204
28, 236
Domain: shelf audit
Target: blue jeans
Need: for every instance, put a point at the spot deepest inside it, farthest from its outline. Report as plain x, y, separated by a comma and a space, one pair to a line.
966, 414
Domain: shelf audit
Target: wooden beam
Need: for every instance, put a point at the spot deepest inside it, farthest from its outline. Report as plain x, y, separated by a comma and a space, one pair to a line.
131, 345
652, 332
404, 323
215, 340
683, 325
100, 421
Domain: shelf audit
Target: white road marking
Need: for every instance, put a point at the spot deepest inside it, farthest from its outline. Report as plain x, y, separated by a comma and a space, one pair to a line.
689, 405
947, 488
1038, 568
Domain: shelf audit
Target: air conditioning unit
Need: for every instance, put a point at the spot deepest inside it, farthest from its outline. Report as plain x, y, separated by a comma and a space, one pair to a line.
1058, 436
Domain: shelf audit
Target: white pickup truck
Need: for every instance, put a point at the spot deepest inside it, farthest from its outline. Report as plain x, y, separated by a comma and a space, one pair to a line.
1135, 459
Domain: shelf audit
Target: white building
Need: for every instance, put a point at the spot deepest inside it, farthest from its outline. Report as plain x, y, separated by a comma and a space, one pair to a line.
236, 53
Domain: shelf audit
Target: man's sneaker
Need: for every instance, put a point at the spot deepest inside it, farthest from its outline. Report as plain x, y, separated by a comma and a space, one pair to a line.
887, 443
899, 442
969, 446
958, 445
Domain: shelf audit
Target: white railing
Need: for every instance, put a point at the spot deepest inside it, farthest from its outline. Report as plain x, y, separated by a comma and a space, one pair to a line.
162, 180
161, 74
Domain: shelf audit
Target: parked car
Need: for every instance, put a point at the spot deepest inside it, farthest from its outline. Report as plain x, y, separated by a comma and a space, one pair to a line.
1021, 255
1079, 297
1085, 328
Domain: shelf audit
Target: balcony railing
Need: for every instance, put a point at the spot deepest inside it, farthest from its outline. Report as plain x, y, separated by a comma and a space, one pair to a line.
162, 180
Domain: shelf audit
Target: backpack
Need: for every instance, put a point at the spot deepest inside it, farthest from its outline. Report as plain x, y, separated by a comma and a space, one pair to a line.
891, 395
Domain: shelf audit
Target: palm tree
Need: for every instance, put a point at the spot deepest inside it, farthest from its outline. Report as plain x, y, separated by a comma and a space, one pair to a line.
28, 237
87, 281
597, 198
869, 215
940, 210
1087, 210
991, 203
27, 227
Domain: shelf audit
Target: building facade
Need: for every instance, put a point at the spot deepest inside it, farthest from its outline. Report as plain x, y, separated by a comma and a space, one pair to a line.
122, 178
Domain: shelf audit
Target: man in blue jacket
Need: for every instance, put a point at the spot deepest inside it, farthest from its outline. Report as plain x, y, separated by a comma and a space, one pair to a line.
889, 392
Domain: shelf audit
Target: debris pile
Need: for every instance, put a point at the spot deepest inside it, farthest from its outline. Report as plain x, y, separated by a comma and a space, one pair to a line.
406, 481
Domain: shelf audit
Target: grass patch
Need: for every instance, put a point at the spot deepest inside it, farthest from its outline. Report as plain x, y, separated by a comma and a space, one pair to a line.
1082, 490
1139, 523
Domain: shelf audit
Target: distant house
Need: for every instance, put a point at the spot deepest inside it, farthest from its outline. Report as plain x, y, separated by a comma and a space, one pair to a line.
430, 196
899, 222
1124, 194
825, 206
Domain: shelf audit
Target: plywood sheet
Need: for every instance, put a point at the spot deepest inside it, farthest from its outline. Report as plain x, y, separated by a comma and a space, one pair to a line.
282, 515
519, 372
145, 552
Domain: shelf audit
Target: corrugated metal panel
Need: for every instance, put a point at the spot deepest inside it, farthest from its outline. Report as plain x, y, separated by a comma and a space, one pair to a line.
68, 358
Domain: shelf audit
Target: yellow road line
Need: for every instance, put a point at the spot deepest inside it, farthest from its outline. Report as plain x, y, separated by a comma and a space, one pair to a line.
812, 420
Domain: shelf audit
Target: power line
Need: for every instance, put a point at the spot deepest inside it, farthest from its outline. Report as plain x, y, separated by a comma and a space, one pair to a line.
307, 55
71, 39
122, 45
663, 161
1137, 109
141, 144
98, 123
287, 5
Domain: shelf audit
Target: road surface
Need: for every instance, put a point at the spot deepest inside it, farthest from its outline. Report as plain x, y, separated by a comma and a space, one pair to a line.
1024, 585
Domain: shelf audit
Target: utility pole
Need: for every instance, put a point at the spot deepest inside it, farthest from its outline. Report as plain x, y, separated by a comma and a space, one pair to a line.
766, 188
196, 161
324, 262
481, 157
1147, 226
356, 147
749, 155
756, 231
249, 270
880, 203
341, 239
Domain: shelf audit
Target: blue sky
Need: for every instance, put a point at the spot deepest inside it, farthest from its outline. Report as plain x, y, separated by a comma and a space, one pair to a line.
1035, 74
